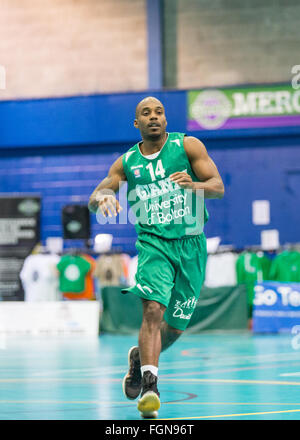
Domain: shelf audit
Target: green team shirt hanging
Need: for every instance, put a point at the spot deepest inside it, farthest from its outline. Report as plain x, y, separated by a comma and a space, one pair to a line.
161, 206
73, 270
252, 268
286, 267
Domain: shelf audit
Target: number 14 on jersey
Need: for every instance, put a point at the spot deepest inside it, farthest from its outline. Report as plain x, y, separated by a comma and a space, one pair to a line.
159, 170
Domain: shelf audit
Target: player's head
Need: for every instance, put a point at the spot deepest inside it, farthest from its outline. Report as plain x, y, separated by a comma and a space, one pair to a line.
150, 118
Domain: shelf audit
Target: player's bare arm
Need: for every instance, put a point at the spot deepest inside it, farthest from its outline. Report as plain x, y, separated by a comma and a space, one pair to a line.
203, 167
103, 195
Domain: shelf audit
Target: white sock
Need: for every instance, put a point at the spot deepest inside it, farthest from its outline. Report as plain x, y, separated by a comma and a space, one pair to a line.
152, 368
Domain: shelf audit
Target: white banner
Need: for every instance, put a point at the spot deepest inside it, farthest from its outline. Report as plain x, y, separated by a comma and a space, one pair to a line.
50, 318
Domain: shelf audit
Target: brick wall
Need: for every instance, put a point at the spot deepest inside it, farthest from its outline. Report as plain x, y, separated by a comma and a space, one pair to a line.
223, 42
71, 47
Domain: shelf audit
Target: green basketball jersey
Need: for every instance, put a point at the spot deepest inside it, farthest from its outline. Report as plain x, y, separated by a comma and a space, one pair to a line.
162, 207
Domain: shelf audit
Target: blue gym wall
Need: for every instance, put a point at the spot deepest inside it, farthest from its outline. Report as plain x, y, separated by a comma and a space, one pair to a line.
62, 148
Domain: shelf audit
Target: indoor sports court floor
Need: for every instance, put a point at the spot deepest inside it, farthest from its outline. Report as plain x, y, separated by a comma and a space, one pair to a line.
204, 376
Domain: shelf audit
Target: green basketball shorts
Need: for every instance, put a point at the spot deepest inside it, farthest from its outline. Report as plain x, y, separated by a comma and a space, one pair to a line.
172, 273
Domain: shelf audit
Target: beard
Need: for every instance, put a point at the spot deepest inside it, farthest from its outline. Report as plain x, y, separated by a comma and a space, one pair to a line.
154, 136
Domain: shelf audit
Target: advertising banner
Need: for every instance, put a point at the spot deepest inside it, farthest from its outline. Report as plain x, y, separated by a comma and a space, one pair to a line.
243, 107
49, 318
19, 233
276, 307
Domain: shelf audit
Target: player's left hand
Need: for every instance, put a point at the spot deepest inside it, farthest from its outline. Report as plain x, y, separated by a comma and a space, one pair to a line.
183, 179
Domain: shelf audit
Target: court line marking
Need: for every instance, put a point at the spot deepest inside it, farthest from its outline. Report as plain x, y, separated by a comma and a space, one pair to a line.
61, 379
290, 374
245, 381
228, 361
57, 402
230, 370
162, 380
97, 402
229, 403
216, 356
104, 371
98, 372
234, 415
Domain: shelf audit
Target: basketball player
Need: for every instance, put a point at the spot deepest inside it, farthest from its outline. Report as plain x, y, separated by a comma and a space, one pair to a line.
165, 173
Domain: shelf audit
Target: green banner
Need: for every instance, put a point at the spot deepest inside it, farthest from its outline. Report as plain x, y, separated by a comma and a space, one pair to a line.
222, 308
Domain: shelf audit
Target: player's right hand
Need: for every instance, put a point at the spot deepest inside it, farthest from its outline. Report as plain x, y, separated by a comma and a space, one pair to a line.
108, 205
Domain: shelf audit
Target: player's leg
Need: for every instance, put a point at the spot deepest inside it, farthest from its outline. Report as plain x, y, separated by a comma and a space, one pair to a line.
149, 335
168, 335
149, 349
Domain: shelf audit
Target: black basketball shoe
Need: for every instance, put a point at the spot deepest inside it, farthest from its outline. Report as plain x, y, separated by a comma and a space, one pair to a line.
132, 382
149, 403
